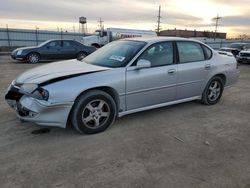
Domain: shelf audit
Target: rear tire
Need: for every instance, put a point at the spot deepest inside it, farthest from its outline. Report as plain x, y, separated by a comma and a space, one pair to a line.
33, 58
80, 56
96, 46
213, 91
93, 112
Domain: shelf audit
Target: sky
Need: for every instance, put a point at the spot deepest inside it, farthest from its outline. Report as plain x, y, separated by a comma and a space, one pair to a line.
137, 14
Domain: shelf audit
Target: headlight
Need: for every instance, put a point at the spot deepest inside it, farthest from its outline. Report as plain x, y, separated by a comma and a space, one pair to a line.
28, 88
35, 91
41, 94
19, 52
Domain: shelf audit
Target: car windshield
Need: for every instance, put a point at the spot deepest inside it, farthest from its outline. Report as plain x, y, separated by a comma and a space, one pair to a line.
43, 43
115, 54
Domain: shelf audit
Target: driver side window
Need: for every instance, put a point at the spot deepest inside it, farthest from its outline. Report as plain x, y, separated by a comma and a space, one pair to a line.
159, 54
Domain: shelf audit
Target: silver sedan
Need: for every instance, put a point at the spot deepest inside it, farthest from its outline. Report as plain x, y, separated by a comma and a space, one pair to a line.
123, 77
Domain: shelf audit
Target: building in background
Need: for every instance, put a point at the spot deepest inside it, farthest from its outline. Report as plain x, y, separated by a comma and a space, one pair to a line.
192, 33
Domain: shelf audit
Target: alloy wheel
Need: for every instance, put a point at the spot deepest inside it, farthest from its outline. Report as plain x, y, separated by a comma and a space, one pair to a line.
214, 90
95, 114
81, 56
33, 58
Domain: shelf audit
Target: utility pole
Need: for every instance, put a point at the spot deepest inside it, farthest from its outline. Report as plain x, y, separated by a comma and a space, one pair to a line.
217, 19
36, 32
101, 23
61, 33
158, 21
8, 35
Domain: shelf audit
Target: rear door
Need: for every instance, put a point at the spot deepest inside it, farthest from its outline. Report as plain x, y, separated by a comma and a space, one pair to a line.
194, 66
69, 49
154, 85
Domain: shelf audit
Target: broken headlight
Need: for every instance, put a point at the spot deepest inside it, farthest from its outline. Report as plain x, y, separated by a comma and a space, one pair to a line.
41, 94
28, 88
35, 91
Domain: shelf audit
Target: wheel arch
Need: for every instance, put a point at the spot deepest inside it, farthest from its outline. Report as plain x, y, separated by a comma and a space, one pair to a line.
111, 91
82, 51
33, 52
222, 76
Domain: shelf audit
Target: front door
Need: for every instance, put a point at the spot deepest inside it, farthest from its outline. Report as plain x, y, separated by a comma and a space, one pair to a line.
154, 85
53, 50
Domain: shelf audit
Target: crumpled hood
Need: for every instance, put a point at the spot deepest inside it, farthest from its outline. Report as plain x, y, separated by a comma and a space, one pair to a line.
56, 70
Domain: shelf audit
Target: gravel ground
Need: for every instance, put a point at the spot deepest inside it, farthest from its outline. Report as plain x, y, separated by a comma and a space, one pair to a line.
185, 145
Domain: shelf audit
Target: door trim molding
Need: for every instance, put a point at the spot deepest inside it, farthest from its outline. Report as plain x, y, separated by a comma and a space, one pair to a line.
158, 106
150, 89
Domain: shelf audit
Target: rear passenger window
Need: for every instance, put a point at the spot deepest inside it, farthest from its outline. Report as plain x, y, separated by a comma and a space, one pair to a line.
54, 44
68, 44
208, 52
190, 52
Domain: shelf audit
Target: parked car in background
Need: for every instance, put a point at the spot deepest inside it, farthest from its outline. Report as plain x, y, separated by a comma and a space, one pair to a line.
244, 56
123, 77
51, 50
235, 48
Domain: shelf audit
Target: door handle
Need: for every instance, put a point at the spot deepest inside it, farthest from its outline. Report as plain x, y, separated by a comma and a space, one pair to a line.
207, 66
171, 71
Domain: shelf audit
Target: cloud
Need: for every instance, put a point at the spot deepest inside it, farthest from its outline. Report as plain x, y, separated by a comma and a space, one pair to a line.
236, 20
123, 12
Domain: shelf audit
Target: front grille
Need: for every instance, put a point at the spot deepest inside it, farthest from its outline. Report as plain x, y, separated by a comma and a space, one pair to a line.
245, 54
13, 93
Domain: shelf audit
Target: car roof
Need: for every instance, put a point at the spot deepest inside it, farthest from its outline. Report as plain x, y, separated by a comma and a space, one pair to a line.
160, 39
240, 43
50, 40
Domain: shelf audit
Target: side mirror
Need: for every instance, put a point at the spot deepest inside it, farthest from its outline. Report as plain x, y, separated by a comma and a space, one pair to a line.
143, 63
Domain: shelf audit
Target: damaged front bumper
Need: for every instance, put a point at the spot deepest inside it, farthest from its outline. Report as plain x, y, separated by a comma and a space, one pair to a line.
40, 112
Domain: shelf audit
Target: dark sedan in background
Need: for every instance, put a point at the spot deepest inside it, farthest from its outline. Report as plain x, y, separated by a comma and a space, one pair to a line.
53, 49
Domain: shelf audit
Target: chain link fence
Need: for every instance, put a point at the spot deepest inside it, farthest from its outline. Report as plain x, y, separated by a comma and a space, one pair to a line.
10, 37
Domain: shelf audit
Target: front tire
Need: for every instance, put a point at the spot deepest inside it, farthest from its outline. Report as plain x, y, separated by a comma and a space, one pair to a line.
93, 112
33, 58
213, 91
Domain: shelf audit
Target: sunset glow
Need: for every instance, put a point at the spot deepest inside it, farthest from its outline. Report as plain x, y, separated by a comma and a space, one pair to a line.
188, 14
